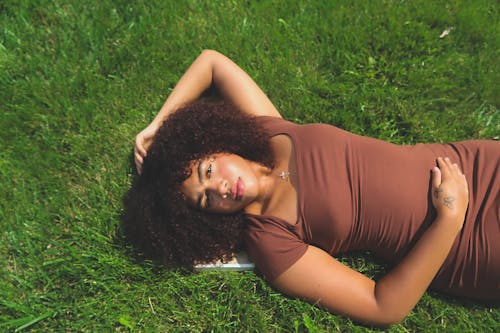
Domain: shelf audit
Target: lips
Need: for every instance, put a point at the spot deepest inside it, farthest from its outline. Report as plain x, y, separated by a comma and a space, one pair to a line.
238, 189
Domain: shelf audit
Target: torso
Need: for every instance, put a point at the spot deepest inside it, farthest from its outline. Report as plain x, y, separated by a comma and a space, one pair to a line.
354, 194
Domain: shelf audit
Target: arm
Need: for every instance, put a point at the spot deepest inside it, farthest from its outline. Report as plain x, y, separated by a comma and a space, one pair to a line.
388, 301
210, 68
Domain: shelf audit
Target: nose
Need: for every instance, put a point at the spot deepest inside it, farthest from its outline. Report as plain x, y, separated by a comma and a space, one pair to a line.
221, 187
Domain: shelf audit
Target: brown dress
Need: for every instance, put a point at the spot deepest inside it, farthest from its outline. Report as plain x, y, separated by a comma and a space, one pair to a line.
357, 193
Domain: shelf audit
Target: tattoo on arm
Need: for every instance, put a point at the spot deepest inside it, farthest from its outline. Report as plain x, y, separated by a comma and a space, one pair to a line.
448, 202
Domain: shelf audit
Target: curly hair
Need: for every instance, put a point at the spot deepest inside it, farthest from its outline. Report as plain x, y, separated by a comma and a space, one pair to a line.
157, 219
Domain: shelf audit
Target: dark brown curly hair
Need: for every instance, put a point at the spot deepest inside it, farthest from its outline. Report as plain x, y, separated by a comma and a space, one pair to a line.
157, 219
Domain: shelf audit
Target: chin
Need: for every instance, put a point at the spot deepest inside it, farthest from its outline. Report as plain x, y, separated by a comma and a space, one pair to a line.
227, 210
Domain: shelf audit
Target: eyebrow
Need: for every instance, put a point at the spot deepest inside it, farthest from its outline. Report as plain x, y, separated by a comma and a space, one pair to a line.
200, 196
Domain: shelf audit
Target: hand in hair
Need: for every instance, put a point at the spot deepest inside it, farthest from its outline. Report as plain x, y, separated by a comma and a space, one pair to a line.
142, 142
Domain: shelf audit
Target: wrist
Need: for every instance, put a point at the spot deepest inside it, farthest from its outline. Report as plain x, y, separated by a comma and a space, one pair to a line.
451, 223
156, 123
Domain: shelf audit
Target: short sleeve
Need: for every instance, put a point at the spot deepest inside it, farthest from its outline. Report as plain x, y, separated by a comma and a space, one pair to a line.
273, 246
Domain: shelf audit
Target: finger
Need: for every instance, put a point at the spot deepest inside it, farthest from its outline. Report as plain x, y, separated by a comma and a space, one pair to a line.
138, 158
465, 183
140, 150
139, 146
436, 177
451, 165
444, 165
457, 168
138, 167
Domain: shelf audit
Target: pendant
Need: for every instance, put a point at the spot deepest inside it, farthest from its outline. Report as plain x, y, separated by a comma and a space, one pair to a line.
284, 174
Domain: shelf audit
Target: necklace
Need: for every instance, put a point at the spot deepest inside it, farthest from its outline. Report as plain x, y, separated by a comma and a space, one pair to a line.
284, 175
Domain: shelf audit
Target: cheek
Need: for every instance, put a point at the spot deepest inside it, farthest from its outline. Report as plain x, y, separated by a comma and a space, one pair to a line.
229, 166
226, 170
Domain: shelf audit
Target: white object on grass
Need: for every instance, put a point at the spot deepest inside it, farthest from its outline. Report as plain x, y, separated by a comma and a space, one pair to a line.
446, 32
240, 262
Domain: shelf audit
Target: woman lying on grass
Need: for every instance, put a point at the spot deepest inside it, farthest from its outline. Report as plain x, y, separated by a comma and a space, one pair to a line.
218, 175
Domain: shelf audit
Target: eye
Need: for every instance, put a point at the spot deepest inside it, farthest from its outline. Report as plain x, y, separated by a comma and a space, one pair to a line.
209, 171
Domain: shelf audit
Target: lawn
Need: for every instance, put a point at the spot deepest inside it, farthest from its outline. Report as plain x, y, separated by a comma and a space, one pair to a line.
78, 80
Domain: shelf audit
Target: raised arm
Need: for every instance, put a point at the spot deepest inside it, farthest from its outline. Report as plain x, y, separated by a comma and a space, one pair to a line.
319, 278
210, 68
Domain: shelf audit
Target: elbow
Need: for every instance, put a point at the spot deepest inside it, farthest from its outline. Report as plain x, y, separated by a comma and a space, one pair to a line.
390, 318
380, 320
210, 56
209, 53
392, 307
392, 321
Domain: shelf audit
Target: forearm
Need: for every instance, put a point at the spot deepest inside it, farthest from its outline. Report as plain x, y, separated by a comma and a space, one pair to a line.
192, 84
399, 291
212, 68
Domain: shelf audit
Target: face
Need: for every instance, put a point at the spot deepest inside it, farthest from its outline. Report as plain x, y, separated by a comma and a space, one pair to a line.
221, 183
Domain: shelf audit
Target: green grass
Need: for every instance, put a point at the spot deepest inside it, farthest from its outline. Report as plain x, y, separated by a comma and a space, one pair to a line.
78, 80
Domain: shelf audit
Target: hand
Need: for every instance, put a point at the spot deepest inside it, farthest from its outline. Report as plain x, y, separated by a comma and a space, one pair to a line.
450, 193
142, 142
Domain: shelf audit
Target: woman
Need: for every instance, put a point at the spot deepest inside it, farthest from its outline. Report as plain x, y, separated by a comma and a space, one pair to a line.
310, 192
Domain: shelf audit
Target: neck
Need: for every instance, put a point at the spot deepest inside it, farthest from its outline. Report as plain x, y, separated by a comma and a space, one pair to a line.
269, 180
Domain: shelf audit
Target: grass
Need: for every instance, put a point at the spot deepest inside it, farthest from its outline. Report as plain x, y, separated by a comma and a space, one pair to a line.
78, 80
